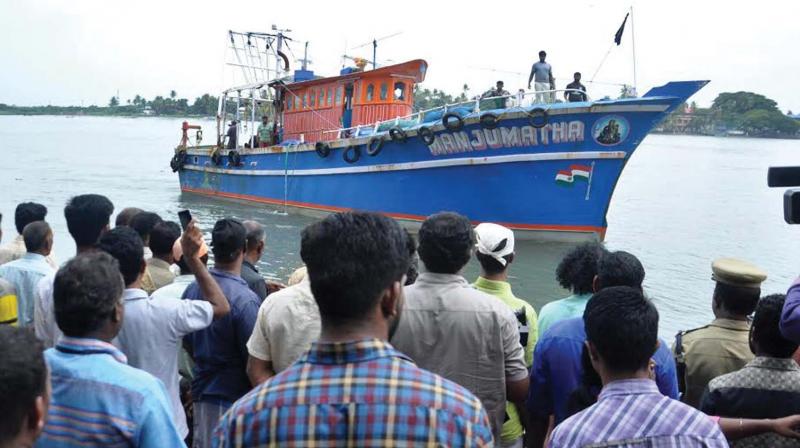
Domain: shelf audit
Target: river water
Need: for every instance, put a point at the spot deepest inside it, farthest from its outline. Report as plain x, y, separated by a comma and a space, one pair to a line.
681, 202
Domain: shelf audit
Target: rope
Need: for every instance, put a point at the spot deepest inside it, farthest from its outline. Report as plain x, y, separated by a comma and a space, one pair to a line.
602, 62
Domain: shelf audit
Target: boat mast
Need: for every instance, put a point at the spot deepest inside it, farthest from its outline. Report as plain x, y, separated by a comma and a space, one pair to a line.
633, 45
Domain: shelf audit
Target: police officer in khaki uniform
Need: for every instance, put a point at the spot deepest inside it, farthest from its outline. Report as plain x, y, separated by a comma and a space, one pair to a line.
722, 346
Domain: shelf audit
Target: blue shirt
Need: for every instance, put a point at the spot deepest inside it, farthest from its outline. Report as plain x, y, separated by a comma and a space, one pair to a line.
361, 394
99, 401
220, 350
556, 371
24, 273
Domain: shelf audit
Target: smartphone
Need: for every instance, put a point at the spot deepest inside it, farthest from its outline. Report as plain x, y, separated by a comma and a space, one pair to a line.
186, 217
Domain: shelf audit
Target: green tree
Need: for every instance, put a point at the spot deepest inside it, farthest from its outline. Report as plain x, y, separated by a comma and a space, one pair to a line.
755, 114
114, 102
204, 105
761, 122
173, 94
734, 103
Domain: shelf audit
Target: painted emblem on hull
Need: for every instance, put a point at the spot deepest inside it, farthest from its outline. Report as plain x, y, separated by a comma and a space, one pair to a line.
611, 130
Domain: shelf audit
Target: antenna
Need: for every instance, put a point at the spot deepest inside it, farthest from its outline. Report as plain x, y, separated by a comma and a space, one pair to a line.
305, 60
374, 44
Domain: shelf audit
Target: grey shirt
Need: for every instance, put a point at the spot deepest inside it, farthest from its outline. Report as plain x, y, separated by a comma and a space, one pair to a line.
541, 71
467, 336
254, 280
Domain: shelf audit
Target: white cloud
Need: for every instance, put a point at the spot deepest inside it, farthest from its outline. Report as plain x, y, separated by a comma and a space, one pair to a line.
68, 52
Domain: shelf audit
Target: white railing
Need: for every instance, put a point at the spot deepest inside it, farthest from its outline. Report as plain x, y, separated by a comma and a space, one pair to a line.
518, 102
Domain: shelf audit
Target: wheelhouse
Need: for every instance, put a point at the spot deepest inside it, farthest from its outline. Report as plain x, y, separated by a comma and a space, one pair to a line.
314, 110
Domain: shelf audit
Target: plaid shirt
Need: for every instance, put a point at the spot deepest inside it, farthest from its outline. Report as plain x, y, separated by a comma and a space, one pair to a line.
634, 414
359, 394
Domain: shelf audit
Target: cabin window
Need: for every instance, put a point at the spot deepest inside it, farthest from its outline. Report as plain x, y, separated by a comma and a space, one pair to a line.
400, 91
384, 91
370, 92
339, 91
321, 97
313, 101
328, 97
288, 102
305, 99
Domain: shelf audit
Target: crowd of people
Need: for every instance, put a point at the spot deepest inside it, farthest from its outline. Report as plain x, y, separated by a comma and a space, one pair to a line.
378, 340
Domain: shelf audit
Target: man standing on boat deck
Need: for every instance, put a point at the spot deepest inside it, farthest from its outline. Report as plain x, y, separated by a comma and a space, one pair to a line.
265, 132
497, 91
231, 134
575, 90
542, 75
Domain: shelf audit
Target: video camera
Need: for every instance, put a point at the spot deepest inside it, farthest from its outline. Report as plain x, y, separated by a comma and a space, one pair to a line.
787, 176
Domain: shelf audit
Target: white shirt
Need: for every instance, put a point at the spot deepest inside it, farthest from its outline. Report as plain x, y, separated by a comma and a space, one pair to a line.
16, 249
288, 322
25, 273
151, 338
44, 318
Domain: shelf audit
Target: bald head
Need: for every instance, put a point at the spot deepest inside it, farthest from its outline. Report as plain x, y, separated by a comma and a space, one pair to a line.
256, 238
38, 238
124, 217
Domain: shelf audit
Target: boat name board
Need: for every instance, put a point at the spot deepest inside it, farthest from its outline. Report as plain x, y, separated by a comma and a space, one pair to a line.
507, 137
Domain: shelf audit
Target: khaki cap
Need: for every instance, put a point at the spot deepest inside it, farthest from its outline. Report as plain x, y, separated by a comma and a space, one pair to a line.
735, 272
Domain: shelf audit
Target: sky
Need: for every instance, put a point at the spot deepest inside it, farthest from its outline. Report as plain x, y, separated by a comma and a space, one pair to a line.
83, 51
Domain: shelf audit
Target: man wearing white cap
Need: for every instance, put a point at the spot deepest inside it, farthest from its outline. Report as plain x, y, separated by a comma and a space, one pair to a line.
495, 253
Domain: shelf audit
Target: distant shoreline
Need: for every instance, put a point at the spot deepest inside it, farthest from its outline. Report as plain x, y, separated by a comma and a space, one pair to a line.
101, 114
697, 134
188, 116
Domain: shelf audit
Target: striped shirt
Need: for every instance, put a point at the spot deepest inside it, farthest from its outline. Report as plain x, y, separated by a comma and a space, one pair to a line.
355, 394
634, 414
99, 401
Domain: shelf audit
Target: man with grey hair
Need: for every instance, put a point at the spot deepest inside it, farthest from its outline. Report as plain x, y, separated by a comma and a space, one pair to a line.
24, 273
254, 250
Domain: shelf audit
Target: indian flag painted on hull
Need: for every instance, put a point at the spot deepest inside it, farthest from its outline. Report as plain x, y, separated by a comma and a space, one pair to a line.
567, 177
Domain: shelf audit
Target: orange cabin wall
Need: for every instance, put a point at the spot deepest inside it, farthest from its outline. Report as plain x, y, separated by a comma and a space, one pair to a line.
311, 122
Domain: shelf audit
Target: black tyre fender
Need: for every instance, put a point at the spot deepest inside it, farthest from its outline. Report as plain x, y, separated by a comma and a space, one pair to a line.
397, 134
490, 120
178, 160
427, 135
234, 158
374, 146
451, 125
538, 117
323, 149
216, 158
351, 154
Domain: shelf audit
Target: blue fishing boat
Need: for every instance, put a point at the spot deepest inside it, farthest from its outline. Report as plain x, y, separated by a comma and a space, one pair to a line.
547, 170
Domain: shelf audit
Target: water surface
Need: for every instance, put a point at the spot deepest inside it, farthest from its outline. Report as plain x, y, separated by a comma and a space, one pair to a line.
681, 202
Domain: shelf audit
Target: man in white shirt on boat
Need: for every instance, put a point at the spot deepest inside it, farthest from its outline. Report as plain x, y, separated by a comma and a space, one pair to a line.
542, 76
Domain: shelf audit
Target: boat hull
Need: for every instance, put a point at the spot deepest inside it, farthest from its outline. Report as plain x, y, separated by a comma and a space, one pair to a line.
553, 182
